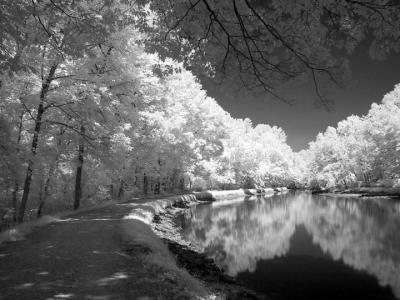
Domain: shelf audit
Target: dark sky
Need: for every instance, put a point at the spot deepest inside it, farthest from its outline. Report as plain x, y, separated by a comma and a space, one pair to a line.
370, 80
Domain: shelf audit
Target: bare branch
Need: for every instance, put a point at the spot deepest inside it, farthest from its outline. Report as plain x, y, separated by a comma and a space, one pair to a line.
192, 6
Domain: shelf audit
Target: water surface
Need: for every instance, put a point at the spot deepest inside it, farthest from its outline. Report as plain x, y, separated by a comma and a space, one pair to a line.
302, 246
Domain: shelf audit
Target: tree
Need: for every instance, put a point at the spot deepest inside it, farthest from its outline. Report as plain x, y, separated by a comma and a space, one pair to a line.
43, 36
383, 131
264, 43
360, 149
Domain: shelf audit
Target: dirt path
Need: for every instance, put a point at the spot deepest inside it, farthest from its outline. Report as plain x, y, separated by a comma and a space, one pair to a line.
81, 257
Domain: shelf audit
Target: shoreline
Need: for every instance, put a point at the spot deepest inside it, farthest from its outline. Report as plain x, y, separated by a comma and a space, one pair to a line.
392, 193
192, 259
160, 215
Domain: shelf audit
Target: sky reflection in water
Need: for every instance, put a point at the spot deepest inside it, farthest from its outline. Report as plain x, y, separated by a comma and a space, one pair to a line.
361, 234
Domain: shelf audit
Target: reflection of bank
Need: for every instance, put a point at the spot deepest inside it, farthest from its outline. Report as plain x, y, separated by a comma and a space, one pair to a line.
363, 234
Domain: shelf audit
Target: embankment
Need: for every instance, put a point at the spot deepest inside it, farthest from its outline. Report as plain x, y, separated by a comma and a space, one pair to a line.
182, 260
364, 192
231, 194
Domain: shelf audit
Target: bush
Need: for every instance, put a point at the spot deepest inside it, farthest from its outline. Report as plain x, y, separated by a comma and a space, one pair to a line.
199, 184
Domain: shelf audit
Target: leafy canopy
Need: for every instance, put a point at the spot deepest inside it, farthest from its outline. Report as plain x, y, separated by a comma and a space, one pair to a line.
262, 44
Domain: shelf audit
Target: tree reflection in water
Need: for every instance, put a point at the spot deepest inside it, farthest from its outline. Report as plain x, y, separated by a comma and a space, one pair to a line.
362, 233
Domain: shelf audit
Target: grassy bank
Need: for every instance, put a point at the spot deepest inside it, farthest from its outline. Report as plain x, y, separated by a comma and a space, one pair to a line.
168, 251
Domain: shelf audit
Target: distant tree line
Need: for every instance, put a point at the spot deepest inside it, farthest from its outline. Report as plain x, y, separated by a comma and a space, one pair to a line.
360, 151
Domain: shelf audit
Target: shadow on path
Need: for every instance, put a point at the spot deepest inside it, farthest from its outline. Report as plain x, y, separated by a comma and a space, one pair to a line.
79, 257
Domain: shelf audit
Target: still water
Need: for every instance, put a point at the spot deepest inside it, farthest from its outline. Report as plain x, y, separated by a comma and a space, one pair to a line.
302, 246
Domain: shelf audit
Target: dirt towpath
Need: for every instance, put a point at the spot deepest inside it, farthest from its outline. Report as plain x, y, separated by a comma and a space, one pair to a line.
80, 257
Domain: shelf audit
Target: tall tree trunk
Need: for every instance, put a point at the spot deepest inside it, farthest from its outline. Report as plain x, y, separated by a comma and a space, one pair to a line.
16, 183
40, 198
78, 178
111, 191
35, 140
14, 200
46, 193
167, 184
121, 189
145, 183
50, 175
157, 189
